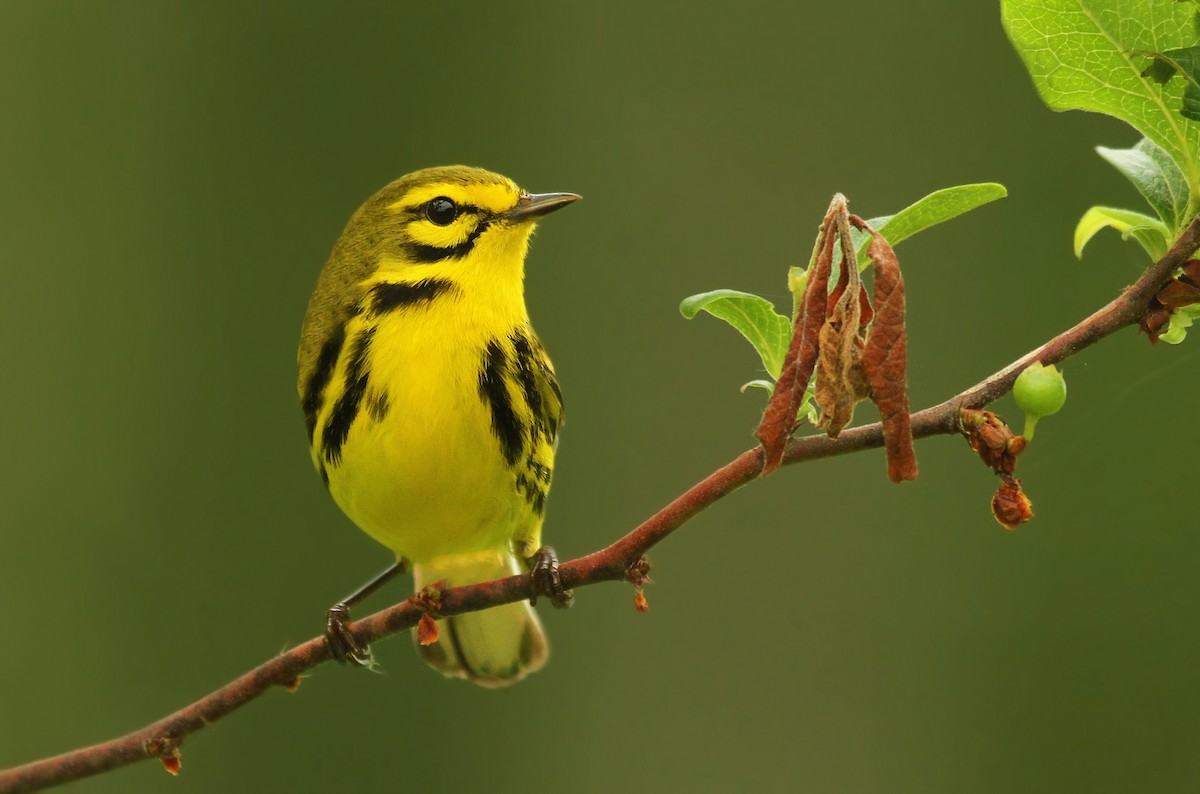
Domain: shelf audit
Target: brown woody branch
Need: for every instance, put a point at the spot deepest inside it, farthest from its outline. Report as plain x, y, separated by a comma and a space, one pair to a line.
621, 560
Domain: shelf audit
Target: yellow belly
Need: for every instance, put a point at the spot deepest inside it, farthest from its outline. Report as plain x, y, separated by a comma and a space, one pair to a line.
428, 479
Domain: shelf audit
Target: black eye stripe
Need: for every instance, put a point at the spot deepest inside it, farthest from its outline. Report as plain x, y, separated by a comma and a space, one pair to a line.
417, 213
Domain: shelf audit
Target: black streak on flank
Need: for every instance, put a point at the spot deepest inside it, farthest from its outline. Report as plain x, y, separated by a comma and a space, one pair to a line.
523, 355
347, 407
428, 254
533, 493
387, 296
505, 425
315, 388
378, 404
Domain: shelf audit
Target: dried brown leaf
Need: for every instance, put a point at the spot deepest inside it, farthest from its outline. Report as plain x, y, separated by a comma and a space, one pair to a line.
1010, 505
1183, 290
885, 359
427, 630
841, 383
989, 436
779, 418
1178, 294
857, 350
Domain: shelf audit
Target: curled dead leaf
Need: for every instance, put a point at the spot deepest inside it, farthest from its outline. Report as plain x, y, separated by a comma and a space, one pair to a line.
885, 359
427, 630
1010, 506
998, 448
855, 349
1183, 290
779, 418
992, 439
841, 383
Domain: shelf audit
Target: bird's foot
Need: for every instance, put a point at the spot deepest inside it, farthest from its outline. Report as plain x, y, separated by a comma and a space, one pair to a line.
543, 576
343, 647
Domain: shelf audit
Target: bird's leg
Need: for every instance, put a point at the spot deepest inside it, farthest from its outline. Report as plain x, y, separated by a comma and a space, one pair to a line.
342, 645
543, 576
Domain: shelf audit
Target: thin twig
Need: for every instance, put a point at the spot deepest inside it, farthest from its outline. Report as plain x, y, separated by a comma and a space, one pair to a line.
162, 739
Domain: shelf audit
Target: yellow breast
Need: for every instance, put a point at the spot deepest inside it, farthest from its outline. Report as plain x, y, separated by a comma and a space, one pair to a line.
429, 465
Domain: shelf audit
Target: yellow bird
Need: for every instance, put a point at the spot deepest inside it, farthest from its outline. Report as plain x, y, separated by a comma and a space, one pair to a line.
432, 409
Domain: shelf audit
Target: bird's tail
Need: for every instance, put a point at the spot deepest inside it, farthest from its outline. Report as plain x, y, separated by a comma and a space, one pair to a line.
493, 647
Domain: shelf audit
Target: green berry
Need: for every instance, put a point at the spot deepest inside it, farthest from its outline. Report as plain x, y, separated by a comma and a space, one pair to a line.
1039, 391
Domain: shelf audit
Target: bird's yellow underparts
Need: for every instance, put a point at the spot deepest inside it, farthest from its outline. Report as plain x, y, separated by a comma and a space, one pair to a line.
432, 408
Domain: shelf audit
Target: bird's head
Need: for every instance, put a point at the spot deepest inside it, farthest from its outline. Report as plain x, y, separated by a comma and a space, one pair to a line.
447, 221
464, 226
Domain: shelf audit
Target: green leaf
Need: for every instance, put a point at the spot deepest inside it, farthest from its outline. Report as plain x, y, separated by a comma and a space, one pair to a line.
1083, 55
938, 207
766, 385
1156, 177
1181, 321
754, 317
1150, 232
1184, 61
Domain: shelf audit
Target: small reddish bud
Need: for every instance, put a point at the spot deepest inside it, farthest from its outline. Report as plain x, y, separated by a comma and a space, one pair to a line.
992, 439
293, 685
427, 630
172, 764
1010, 506
1183, 290
639, 601
430, 597
1155, 323
638, 574
996, 445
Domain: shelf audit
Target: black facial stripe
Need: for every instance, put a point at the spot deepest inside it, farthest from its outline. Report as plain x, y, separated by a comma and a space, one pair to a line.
315, 388
347, 407
505, 425
428, 254
417, 211
388, 296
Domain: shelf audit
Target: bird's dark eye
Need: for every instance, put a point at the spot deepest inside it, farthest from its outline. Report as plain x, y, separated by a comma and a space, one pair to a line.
441, 211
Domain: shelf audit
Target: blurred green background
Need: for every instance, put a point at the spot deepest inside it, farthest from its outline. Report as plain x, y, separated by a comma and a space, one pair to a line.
174, 176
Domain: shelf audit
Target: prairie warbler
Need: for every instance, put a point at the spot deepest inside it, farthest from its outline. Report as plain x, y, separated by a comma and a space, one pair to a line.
432, 409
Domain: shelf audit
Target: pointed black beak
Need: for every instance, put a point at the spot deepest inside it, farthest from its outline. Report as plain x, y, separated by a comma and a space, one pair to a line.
535, 205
